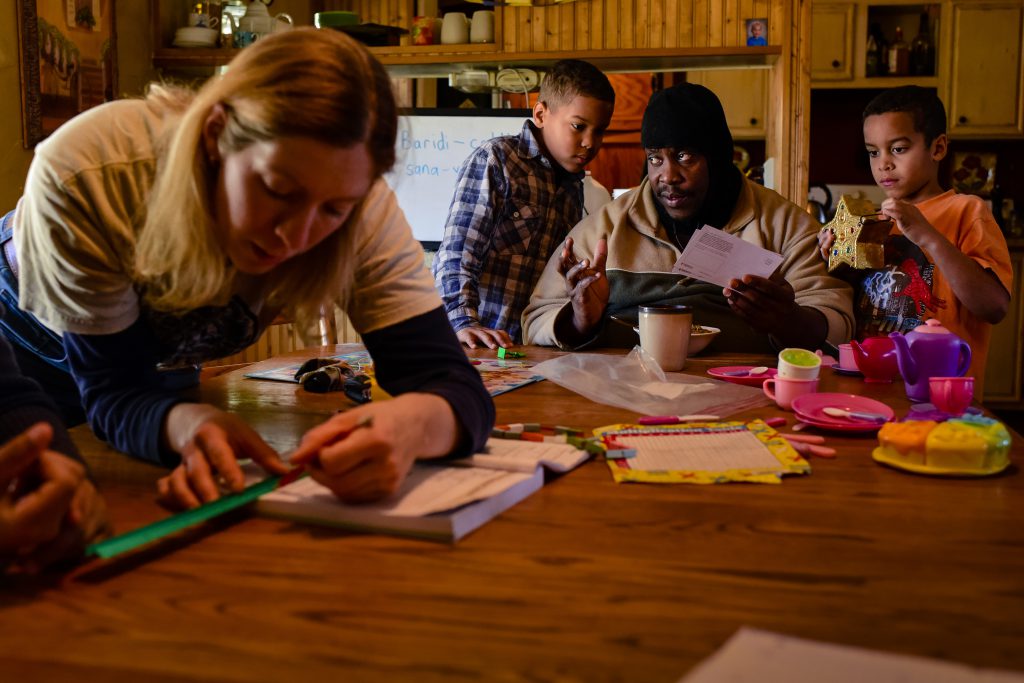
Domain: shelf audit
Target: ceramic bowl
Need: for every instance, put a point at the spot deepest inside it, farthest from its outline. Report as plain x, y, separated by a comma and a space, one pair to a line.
195, 36
700, 340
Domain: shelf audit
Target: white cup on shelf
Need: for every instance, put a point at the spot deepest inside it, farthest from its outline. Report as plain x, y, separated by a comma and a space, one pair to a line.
481, 30
455, 28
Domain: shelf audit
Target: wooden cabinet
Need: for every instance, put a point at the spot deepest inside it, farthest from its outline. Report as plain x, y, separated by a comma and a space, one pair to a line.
744, 96
840, 36
832, 35
984, 95
1004, 374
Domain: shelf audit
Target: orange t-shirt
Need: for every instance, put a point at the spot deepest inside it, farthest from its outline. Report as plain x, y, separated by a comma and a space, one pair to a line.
910, 289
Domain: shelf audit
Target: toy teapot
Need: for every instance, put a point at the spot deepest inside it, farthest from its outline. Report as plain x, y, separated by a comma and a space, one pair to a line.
929, 350
875, 357
257, 22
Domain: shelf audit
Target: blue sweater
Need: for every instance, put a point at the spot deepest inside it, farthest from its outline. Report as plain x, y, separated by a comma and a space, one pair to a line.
126, 398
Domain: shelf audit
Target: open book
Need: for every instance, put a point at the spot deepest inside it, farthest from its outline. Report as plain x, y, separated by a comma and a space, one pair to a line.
442, 501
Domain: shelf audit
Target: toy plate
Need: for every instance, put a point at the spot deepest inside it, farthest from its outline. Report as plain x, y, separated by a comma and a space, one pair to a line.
750, 381
810, 409
880, 456
850, 372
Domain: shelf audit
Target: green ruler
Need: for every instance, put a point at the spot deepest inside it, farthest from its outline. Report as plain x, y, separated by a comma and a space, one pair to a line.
182, 520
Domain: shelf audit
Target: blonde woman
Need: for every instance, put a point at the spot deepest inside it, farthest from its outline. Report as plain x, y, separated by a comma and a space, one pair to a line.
155, 234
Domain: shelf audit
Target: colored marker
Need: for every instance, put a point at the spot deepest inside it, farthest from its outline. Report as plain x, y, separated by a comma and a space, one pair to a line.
675, 419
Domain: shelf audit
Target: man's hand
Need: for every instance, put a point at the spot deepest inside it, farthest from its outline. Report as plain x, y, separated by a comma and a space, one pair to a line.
769, 305
825, 240
492, 339
49, 510
587, 286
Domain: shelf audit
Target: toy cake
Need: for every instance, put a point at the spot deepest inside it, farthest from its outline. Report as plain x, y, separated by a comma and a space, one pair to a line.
970, 445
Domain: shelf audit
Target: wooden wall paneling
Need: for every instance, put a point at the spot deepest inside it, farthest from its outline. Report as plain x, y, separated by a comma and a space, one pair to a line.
567, 26
596, 26
524, 41
581, 23
538, 18
609, 36
627, 22
657, 24
683, 15
715, 23
701, 30
642, 26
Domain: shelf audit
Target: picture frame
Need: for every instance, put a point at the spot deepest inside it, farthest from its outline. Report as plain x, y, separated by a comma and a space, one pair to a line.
68, 52
756, 32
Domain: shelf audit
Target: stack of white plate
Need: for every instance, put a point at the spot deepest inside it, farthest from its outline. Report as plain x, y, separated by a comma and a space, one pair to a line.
195, 36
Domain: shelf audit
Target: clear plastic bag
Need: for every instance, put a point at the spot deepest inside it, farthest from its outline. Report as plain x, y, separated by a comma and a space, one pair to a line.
635, 382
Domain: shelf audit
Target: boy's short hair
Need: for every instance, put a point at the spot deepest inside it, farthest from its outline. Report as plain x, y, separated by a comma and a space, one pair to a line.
570, 78
923, 105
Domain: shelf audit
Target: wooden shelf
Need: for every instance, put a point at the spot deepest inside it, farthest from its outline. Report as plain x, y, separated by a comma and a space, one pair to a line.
436, 61
425, 61
879, 82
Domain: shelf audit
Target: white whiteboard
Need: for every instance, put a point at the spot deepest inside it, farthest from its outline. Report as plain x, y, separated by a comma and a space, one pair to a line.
430, 151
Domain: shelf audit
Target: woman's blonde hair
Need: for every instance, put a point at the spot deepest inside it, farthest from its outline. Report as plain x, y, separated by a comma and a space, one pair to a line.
318, 84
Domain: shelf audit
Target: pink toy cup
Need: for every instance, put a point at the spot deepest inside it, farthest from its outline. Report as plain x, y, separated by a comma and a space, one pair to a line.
951, 394
783, 390
846, 360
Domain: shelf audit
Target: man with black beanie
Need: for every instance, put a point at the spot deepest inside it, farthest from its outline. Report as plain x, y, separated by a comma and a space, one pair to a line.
624, 256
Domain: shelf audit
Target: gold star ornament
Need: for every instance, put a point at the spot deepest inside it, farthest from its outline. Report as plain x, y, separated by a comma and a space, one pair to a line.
859, 234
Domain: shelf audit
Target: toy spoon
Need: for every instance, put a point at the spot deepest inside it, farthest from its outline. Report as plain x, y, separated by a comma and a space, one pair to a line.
752, 372
853, 414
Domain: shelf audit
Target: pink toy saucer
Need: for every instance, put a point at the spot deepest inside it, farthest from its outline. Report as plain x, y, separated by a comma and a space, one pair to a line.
748, 380
809, 409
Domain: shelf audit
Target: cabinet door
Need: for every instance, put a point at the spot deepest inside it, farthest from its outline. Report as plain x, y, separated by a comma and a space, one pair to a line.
832, 42
744, 96
1003, 374
985, 78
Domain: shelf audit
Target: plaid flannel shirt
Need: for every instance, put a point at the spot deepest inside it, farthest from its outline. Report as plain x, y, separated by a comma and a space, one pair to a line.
509, 213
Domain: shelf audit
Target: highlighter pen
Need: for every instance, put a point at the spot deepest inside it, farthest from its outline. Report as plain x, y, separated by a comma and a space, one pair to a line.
675, 419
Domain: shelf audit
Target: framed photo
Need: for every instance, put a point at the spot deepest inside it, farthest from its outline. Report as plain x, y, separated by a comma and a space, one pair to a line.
757, 32
68, 61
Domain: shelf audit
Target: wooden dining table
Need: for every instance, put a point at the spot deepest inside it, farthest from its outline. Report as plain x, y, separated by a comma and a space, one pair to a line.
585, 580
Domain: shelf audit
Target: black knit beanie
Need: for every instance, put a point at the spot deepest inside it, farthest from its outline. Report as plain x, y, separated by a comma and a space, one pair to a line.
689, 116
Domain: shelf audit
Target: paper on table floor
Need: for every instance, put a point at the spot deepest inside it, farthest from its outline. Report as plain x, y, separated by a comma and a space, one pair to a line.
754, 656
715, 256
716, 451
425, 491
527, 456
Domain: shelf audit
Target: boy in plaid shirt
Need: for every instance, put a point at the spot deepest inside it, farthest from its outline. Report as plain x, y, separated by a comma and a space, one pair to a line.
516, 199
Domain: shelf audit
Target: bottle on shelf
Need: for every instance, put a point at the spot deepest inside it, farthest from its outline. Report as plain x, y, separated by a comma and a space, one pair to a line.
922, 51
871, 57
899, 55
881, 49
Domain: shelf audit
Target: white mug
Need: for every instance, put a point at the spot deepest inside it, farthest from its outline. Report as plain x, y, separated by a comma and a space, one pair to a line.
455, 28
199, 20
482, 28
665, 334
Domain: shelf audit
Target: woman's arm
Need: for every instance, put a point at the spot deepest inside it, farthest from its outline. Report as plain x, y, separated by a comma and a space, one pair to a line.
441, 408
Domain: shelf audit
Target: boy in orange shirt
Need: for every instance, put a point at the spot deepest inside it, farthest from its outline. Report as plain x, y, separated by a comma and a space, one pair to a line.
946, 257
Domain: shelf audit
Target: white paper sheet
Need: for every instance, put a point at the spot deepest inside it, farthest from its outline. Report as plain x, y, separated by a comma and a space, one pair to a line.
754, 656
715, 256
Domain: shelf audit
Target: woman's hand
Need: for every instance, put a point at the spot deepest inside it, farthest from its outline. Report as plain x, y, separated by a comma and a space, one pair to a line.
210, 442
364, 454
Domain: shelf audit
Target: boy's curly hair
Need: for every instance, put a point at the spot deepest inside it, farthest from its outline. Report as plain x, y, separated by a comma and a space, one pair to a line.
923, 105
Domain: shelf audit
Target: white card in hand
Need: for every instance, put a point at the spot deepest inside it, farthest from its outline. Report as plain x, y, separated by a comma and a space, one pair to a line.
717, 257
